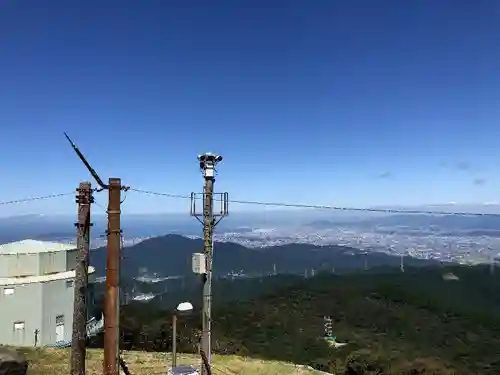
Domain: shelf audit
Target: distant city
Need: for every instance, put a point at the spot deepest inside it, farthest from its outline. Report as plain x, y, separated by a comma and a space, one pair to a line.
446, 243
459, 249
449, 238
446, 248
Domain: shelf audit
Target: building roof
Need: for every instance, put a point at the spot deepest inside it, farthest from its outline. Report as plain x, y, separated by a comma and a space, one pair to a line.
10, 281
34, 247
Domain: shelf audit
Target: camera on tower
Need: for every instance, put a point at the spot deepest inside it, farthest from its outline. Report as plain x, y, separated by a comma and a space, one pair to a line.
209, 158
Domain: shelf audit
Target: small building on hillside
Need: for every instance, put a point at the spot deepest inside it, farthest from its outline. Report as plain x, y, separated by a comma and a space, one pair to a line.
37, 291
450, 276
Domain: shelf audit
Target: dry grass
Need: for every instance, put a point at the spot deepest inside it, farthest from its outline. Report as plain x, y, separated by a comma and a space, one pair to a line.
56, 362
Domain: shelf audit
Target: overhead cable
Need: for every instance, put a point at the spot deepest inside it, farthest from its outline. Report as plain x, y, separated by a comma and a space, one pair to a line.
326, 207
30, 199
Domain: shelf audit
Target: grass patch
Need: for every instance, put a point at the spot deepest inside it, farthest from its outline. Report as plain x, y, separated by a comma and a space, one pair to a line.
56, 361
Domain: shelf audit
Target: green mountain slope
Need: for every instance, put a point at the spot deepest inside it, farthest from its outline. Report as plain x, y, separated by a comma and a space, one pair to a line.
172, 254
393, 323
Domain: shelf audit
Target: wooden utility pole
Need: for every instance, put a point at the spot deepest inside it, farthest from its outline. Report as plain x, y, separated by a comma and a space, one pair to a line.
208, 162
79, 338
112, 303
112, 359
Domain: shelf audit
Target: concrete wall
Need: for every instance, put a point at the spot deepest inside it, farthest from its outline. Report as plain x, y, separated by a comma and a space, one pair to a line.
57, 300
52, 262
37, 305
14, 265
71, 259
22, 306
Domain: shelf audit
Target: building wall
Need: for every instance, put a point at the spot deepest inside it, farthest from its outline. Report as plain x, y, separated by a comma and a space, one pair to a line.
21, 306
15, 265
38, 305
52, 262
71, 259
57, 300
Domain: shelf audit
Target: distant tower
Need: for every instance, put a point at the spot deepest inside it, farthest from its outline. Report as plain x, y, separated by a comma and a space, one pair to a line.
274, 269
305, 274
333, 269
328, 327
312, 272
402, 266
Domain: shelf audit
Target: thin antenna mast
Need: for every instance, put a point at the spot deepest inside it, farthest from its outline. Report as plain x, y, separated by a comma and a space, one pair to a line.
208, 162
328, 324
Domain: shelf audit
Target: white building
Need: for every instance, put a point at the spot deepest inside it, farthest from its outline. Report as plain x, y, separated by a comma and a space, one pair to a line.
37, 291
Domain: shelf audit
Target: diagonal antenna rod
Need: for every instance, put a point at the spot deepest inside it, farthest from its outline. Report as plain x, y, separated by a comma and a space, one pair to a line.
86, 163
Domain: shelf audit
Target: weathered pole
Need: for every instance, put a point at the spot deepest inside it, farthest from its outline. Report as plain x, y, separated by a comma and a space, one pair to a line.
174, 339
79, 335
112, 303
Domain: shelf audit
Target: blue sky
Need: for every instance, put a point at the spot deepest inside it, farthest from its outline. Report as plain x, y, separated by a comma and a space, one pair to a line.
354, 103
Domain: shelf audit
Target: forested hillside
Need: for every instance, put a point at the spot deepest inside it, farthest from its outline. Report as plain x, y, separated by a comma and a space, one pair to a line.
171, 255
393, 323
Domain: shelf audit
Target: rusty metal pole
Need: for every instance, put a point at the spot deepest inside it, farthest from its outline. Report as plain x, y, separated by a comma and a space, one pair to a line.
78, 343
112, 303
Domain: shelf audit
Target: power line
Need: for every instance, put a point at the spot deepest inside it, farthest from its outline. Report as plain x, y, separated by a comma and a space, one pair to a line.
150, 192
35, 198
326, 207
274, 204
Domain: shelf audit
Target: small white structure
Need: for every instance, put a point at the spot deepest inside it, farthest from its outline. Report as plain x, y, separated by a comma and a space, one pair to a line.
198, 262
450, 276
36, 292
184, 307
183, 370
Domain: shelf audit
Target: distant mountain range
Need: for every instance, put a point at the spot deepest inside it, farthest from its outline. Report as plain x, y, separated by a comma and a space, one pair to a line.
488, 225
52, 227
171, 255
443, 222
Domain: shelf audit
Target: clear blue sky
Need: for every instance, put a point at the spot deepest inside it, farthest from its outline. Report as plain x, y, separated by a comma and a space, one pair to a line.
330, 102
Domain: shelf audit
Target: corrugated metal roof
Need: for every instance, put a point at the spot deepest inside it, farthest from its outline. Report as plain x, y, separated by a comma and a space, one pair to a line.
34, 247
7, 281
